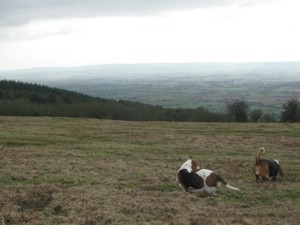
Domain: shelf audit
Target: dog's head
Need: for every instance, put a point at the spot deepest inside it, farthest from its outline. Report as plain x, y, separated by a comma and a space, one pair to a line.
257, 169
190, 165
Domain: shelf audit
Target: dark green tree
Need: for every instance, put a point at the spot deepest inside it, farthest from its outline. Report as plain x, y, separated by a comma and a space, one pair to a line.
66, 99
256, 115
269, 118
291, 111
239, 110
36, 98
51, 98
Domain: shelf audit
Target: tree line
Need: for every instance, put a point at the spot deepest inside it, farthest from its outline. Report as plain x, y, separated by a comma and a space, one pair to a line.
26, 99
241, 112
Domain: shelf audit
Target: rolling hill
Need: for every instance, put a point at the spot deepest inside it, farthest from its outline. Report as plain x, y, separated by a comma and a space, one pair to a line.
26, 99
266, 86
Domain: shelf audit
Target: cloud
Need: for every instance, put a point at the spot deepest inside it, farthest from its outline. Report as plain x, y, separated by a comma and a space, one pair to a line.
20, 12
34, 31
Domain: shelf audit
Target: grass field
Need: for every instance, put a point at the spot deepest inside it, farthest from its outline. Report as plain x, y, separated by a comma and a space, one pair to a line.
86, 171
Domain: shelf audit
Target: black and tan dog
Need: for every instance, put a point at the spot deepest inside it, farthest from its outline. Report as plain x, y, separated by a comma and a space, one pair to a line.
266, 169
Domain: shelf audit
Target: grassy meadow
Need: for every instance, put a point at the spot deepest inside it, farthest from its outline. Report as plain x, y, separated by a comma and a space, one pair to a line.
89, 171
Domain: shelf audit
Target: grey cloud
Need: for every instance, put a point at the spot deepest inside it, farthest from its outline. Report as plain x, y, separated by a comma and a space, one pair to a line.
19, 12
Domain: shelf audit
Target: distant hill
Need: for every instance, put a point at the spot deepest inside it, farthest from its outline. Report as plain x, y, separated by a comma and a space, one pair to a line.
151, 70
266, 85
27, 99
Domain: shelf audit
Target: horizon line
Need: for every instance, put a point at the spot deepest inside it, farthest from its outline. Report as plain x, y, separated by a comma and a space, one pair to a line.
150, 63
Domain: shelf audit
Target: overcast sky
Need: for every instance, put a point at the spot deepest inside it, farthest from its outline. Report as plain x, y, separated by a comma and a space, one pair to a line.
42, 33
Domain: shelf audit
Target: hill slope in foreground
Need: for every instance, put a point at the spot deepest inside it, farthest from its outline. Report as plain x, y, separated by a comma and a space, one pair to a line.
88, 171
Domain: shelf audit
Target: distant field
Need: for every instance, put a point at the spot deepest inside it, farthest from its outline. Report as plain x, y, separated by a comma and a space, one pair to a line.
213, 92
88, 172
266, 85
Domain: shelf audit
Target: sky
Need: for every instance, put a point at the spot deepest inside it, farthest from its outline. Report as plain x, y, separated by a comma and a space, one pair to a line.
67, 33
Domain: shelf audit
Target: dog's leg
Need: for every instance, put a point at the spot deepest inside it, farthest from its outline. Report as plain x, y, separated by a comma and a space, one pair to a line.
232, 188
192, 190
257, 178
280, 171
211, 190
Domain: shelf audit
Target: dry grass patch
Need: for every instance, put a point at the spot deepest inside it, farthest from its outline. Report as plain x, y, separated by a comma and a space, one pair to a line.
85, 171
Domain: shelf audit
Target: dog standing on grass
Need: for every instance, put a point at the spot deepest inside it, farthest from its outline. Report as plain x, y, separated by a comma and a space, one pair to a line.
266, 169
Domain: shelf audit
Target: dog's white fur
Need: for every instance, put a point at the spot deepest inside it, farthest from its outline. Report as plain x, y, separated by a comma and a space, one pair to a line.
203, 173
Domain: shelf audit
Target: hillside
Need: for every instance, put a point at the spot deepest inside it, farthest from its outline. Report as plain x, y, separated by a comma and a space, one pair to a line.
26, 99
266, 86
91, 171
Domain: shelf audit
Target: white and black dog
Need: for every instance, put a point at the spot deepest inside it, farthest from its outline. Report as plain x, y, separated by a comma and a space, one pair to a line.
194, 179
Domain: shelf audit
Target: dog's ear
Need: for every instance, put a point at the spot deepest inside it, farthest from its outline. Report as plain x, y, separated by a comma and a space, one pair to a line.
194, 165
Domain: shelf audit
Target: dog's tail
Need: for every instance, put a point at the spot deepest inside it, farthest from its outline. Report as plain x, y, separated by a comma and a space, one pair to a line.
220, 179
258, 153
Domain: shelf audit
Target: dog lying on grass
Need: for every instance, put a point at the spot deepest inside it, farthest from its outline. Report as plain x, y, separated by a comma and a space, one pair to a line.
266, 169
194, 179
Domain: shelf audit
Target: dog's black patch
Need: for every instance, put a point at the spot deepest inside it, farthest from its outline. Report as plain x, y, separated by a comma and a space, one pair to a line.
273, 168
190, 179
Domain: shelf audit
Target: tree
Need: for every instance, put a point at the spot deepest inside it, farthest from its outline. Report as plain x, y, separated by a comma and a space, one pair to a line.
36, 98
66, 99
51, 98
269, 118
239, 109
291, 111
255, 115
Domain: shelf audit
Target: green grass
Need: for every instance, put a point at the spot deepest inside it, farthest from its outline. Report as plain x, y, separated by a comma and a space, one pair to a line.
64, 181
166, 187
86, 171
14, 180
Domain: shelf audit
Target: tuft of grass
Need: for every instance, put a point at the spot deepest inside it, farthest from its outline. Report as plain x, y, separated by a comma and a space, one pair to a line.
167, 187
37, 199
